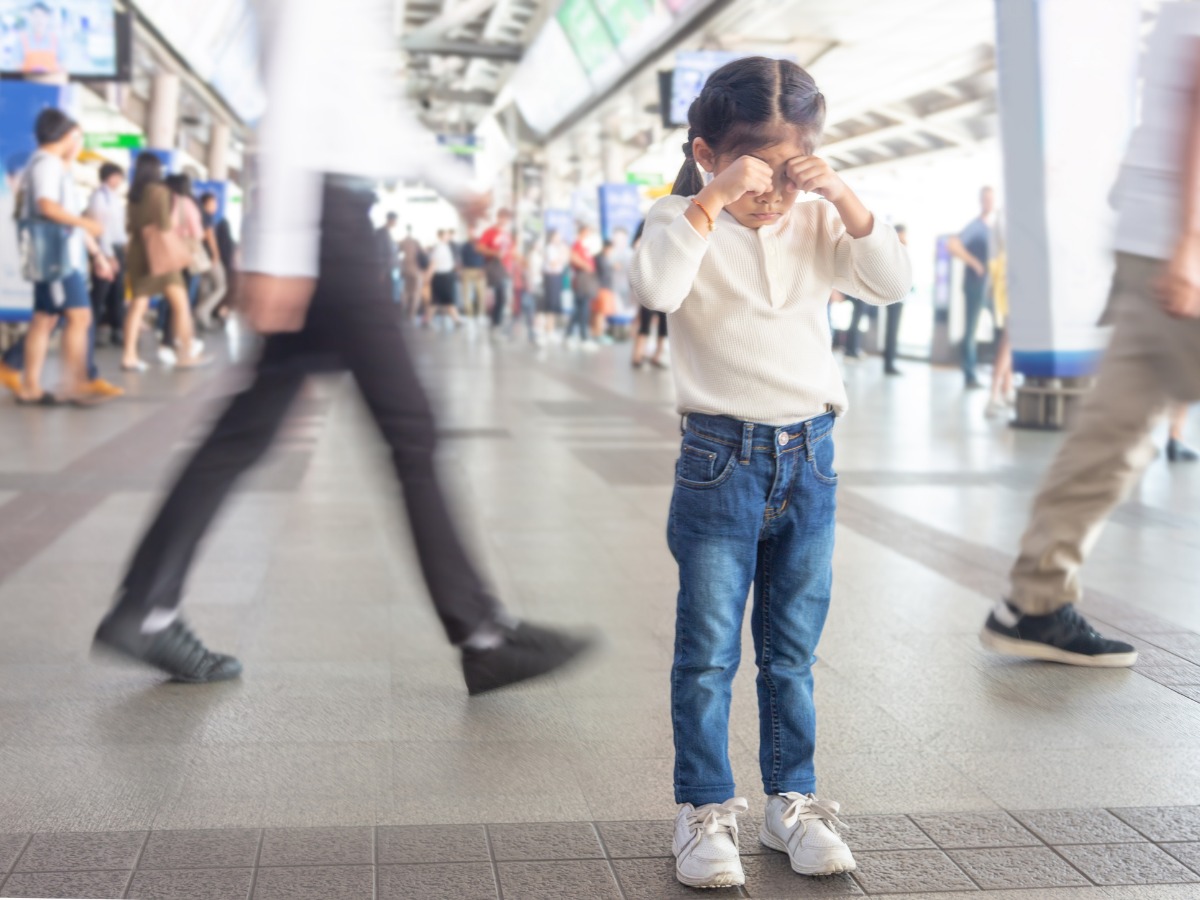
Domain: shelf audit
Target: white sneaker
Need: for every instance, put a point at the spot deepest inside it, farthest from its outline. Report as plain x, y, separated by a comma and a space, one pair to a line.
996, 409
804, 828
706, 845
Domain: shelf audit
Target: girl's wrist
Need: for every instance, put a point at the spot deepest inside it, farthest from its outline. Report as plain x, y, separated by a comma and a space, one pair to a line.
711, 197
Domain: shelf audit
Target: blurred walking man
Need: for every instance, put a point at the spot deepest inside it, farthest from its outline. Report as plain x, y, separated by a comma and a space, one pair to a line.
312, 287
1154, 359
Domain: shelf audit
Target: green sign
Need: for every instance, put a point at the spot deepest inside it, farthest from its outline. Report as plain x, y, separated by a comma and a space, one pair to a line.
623, 17
114, 141
646, 179
586, 31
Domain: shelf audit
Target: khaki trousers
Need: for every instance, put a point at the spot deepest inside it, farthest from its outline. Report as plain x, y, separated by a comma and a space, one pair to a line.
1153, 360
474, 292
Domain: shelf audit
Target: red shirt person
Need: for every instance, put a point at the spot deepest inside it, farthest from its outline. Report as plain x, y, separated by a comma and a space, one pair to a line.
495, 245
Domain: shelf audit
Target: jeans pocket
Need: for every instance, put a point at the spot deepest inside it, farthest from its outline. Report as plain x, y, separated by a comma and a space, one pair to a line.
820, 458
704, 463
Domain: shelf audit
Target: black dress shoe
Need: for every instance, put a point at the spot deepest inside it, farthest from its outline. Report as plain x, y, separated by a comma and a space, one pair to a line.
527, 651
1178, 451
174, 650
892, 371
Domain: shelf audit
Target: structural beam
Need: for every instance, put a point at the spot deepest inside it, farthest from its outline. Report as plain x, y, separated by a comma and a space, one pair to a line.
435, 46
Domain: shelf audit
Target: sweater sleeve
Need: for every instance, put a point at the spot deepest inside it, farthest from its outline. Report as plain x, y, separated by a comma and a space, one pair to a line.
874, 268
668, 257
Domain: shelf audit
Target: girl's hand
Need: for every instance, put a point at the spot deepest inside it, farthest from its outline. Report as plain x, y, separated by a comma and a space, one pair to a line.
747, 175
814, 175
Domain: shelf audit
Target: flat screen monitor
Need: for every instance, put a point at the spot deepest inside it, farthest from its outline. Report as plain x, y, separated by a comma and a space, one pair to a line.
691, 71
76, 37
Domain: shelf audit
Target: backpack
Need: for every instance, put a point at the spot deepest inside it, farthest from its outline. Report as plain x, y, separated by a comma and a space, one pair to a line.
44, 247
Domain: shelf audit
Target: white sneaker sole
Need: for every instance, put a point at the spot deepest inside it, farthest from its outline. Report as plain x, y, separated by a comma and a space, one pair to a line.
999, 643
715, 880
837, 862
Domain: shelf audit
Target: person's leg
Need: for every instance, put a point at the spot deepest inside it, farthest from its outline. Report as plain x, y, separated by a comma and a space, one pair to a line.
892, 337
76, 346
661, 346
713, 527
792, 585
213, 287
970, 353
133, 329
854, 334
1177, 448
12, 366
37, 343
645, 317
183, 329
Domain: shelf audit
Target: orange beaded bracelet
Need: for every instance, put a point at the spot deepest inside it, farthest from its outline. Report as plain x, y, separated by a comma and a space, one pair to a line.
712, 225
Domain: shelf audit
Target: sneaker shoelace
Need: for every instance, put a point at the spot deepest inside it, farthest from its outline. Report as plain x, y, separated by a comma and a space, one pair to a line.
196, 655
807, 807
718, 817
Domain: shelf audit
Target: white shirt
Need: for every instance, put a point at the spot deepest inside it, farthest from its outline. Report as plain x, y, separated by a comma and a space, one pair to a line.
1148, 192
334, 106
442, 258
749, 308
50, 179
557, 256
108, 208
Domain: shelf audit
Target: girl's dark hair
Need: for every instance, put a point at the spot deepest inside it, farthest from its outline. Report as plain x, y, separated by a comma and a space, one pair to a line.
52, 126
147, 170
181, 184
744, 106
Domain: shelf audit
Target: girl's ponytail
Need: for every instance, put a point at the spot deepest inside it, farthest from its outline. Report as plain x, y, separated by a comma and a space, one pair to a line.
689, 182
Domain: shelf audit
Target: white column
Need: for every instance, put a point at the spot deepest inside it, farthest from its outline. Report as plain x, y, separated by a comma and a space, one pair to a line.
162, 119
1067, 87
218, 152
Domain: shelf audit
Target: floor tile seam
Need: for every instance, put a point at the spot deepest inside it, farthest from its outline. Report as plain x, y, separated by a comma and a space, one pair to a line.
1194, 869
262, 835
487, 837
16, 859
940, 849
1054, 849
612, 870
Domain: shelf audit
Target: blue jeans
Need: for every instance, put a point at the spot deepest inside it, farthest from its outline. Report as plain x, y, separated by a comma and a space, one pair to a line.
580, 313
753, 504
970, 354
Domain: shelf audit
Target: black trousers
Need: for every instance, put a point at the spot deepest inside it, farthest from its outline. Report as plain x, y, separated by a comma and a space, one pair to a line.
352, 325
892, 335
108, 297
854, 334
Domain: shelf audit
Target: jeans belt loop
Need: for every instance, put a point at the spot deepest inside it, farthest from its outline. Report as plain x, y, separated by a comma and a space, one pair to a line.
747, 442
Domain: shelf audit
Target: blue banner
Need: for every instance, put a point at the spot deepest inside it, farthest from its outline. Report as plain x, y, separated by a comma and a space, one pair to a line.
620, 208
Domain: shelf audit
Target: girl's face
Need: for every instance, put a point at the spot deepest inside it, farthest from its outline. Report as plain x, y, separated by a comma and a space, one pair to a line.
757, 210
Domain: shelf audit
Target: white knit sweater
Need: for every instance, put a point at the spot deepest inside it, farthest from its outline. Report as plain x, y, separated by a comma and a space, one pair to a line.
749, 323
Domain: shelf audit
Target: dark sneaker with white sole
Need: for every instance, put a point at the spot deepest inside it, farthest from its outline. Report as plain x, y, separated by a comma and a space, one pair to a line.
1062, 637
527, 651
174, 650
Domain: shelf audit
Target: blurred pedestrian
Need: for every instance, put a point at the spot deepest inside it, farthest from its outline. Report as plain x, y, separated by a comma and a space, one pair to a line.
444, 280
973, 245
555, 258
583, 287
495, 245
107, 206
311, 287
215, 282
1152, 362
891, 339
59, 240
473, 279
1002, 394
605, 302
412, 271
389, 253
648, 319
154, 217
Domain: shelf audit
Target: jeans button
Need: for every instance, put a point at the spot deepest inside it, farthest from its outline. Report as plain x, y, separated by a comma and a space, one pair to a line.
784, 437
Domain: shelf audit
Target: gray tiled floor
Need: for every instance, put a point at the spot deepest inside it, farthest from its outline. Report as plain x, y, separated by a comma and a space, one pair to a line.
349, 760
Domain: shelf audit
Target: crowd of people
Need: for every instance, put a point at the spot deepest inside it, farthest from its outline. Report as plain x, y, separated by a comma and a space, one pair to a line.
571, 291
96, 268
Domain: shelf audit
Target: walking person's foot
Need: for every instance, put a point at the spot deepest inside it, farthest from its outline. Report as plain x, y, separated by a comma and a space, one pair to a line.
893, 371
511, 653
805, 828
136, 365
174, 650
98, 387
705, 844
11, 379
973, 384
1064, 636
1178, 451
